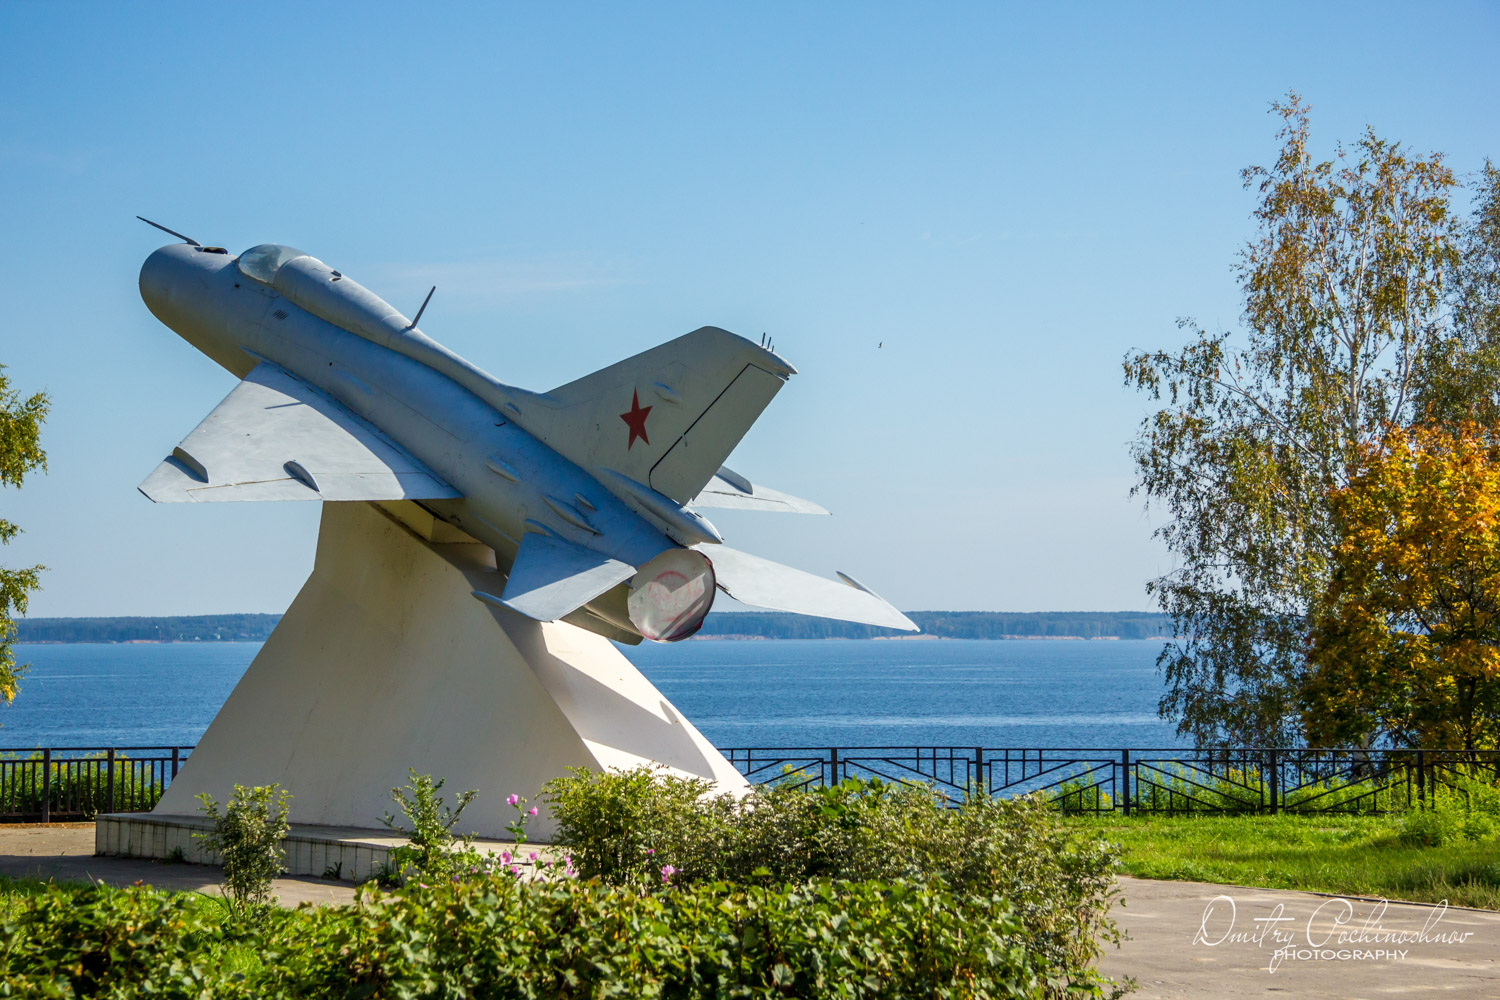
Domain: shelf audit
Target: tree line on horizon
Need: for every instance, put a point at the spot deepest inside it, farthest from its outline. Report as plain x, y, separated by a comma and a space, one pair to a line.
757, 624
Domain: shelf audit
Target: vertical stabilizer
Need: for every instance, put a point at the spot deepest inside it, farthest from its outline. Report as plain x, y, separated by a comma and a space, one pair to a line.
666, 418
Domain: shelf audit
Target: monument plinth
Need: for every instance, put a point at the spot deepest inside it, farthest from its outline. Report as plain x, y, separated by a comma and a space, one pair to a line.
387, 661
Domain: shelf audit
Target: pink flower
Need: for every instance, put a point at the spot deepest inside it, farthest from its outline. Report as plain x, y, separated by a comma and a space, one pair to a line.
505, 857
531, 811
667, 871
515, 870
513, 800
531, 856
650, 850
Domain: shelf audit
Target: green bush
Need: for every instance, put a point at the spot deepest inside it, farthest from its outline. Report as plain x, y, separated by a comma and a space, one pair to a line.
105, 942
504, 938
653, 831
1460, 808
429, 849
247, 837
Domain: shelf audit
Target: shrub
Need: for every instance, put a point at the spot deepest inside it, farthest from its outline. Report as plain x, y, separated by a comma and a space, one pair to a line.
714, 940
430, 849
617, 822
104, 942
247, 837
627, 827
1461, 808
504, 938
431, 835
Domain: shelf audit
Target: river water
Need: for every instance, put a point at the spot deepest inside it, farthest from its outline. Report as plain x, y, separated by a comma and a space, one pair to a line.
740, 693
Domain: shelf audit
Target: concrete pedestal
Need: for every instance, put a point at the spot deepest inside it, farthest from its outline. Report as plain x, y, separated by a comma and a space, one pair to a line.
386, 660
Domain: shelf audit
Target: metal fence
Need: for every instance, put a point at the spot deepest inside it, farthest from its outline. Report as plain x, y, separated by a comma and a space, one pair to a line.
1170, 781
77, 783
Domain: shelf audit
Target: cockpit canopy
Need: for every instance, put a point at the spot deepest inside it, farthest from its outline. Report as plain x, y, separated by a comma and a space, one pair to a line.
261, 263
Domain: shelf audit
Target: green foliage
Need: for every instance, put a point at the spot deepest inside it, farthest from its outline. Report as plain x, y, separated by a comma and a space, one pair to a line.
1172, 788
1080, 795
1459, 809
247, 836
1405, 645
504, 938
615, 821
20, 453
1344, 314
1463, 378
654, 831
102, 942
430, 850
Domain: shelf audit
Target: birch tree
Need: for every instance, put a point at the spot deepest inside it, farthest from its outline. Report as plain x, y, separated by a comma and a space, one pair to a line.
1345, 319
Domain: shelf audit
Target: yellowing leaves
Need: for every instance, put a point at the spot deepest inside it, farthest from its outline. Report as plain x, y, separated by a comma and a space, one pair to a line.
1406, 643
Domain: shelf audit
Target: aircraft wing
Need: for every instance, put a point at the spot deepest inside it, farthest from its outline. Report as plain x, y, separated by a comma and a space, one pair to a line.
274, 437
762, 583
729, 489
551, 578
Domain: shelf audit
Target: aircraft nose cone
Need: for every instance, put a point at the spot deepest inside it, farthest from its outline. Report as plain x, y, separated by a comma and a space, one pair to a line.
160, 275
177, 284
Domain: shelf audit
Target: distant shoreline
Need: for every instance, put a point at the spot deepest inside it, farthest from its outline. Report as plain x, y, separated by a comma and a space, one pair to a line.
1061, 626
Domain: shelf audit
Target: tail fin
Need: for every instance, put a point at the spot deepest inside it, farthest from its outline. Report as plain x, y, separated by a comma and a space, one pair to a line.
667, 417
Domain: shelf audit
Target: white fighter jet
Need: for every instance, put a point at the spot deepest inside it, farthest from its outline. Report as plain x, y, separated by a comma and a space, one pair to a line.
589, 493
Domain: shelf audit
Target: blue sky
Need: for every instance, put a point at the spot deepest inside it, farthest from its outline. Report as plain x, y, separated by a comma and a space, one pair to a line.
1008, 198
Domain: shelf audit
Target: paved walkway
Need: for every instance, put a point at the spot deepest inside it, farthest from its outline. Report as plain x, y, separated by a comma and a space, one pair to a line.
1192, 939
65, 852
1187, 939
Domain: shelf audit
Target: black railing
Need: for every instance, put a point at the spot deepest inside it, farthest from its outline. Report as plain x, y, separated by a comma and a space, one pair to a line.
1088, 780
62, 784
78, 783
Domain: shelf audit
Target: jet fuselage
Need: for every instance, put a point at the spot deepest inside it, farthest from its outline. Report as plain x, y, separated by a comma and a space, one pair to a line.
511, 483
586, 493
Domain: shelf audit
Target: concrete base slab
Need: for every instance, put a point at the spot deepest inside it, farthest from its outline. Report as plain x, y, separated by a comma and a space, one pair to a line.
386, 661
348, 854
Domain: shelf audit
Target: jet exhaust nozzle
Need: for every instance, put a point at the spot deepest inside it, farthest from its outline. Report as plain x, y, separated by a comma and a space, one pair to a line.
671, 595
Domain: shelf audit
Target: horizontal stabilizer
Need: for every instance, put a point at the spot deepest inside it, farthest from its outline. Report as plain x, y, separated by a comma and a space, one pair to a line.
729, 489
552, 578
274, 437
762, 583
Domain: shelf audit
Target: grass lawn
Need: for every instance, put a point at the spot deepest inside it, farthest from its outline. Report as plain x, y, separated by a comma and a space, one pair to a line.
14, 892
1356, 855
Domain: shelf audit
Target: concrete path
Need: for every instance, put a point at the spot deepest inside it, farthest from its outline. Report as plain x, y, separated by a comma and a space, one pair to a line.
1191, 939
65, 852
1187, 939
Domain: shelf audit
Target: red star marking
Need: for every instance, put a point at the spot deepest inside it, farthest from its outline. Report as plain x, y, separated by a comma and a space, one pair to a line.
636, 420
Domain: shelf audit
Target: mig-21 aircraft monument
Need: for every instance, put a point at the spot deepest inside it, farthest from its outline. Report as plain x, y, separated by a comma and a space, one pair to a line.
480, 544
